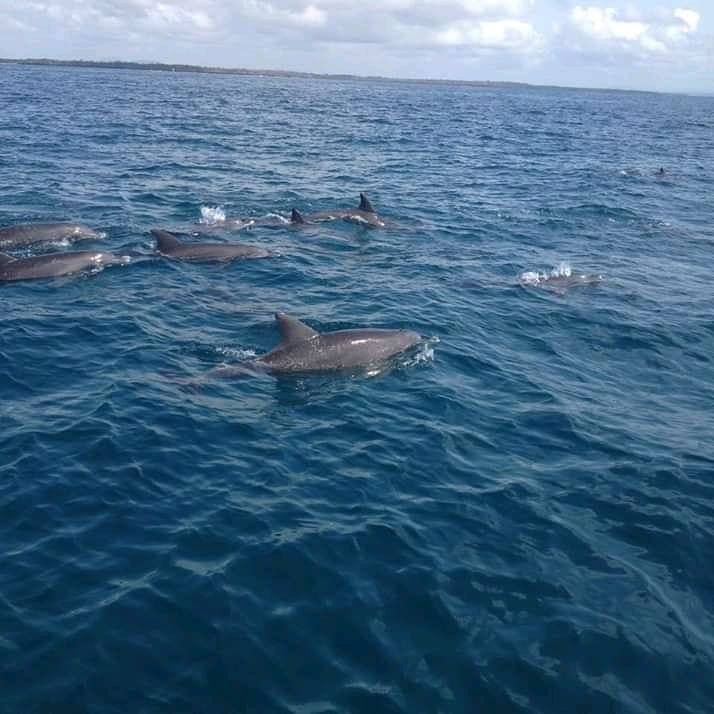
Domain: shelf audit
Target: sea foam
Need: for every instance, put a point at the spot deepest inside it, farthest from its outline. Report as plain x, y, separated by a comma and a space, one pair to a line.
212, 214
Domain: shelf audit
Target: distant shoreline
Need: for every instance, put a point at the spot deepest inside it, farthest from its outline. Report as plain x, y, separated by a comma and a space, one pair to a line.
199, 69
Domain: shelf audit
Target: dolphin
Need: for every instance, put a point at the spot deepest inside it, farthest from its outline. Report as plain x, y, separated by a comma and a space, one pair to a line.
364, 215
303, 349
29, 233
168, 244
54, 264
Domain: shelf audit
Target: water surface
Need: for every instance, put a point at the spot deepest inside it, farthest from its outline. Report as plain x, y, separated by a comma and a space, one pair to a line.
521, 521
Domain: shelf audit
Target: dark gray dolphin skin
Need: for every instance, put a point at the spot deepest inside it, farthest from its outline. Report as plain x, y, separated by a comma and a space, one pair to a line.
168, 244
303, 349
29, 233
54, 264
364, 214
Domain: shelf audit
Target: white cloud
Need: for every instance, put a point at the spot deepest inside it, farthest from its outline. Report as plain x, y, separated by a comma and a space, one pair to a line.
95, 16
470, 24
655, 35
451, 38
163, 14
270, 12
689, 17
601, 23
677, 32
507, 34
468, 27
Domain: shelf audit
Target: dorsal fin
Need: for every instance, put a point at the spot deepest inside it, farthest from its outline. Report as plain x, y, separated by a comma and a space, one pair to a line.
165, 241
5, 258
296, 216
292, 330
364, 204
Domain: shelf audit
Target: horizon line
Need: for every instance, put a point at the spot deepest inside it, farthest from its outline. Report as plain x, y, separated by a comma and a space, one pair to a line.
297, 74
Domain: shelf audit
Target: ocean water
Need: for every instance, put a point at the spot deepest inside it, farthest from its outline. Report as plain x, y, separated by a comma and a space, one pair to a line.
518, 518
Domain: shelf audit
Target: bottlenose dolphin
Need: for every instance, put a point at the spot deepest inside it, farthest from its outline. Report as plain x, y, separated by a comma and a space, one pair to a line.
303, 349
364, 214
29, 233
168, 244
54, 264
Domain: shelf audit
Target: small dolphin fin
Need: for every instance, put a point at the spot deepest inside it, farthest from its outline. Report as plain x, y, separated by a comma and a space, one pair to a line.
5, 258
165, 241
296, 216
292, 330
365, 205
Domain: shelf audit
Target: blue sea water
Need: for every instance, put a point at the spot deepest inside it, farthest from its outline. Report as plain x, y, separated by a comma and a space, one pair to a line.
518, 519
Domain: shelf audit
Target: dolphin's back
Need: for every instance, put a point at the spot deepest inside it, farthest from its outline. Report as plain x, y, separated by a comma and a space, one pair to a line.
364, 214
168, 244
51, 266
29, 233
344, 349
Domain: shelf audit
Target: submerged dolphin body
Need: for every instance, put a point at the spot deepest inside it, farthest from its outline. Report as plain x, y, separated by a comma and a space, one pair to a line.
233, 225
54, 264
303, 349
227, 224
29, 233
168, 244
364, 214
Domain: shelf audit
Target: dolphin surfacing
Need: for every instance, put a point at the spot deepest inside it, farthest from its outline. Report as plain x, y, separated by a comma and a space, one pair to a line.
29, 233
364, 214
303, 349
54, 265
169, 245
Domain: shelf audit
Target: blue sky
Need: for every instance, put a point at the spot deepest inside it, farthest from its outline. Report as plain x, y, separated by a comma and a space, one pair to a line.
639, 44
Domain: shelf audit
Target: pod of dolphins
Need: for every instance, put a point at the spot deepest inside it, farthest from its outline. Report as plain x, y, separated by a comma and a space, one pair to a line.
301, 349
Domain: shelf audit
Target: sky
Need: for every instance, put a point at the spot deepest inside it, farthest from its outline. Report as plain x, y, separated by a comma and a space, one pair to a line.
626, 44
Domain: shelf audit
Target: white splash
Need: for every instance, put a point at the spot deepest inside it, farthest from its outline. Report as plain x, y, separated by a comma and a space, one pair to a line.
212, 214
277, 217
235, 353
562, 270
424, 353
238, 223
533, 277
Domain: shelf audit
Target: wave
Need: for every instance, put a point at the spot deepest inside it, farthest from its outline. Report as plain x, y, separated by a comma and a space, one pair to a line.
235, 353
274, 217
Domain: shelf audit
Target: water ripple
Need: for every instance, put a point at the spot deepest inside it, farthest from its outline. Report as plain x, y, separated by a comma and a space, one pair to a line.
519, 515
